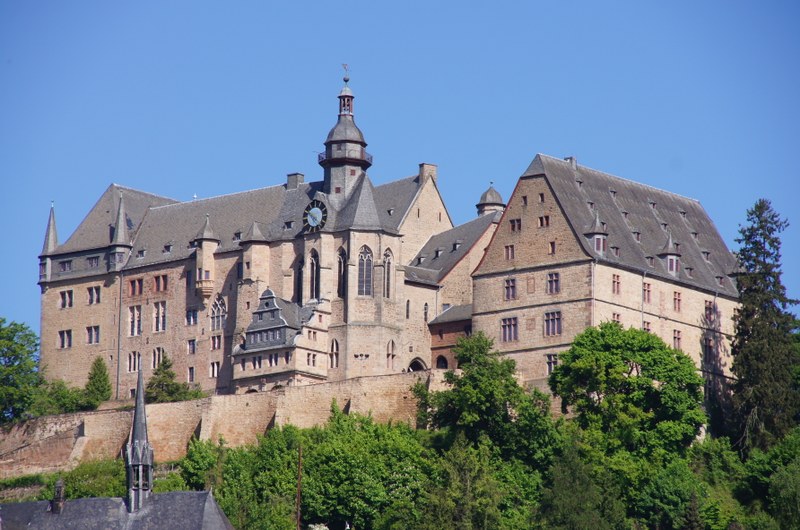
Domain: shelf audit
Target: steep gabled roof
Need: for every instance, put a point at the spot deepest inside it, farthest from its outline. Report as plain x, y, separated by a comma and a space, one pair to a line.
360, 212
629, 208
443, 251
393, 200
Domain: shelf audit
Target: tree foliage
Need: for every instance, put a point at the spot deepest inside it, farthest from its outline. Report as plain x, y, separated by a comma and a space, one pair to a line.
98, 386
19, 376
164, 388
766, 400
630, 392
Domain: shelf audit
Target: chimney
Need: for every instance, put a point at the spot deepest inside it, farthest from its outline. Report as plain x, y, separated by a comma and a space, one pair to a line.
427, 171
293, 180
573, 162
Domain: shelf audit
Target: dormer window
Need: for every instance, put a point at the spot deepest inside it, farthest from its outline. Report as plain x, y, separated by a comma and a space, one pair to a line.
689, 271
456, 245
420, 259
651, 261
591, 205
615, 251
706, 255
683, 214
653, 205
673, 264
167, 248
600, 242
694, 235
237, 236
613, 193
637, 235
720, 281
140, 254
438, 253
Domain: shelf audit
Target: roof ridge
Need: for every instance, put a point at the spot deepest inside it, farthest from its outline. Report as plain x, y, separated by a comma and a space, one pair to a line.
128, 188
198, 200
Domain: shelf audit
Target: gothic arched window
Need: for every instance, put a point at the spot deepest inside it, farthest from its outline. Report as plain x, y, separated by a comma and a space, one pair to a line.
334, 355
219, 313
425, 312
341, 274
158, 356
313, 273
390, 355
388, 274
298, 281
365, 271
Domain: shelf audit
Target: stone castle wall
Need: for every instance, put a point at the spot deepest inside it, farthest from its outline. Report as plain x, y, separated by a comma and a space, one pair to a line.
56, 443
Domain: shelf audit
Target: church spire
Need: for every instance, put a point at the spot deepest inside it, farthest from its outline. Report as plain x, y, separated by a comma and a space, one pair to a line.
50, 235
121, 226
139, 454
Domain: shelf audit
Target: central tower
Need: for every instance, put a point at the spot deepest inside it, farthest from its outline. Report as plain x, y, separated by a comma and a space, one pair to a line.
345, 158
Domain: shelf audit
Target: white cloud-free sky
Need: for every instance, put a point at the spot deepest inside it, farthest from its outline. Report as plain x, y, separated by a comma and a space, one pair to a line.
198, 97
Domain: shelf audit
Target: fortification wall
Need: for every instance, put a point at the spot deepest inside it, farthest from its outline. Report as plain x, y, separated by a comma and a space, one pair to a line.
56, 443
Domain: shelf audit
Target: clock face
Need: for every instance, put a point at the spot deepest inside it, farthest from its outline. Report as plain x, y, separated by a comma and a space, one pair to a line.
315, 215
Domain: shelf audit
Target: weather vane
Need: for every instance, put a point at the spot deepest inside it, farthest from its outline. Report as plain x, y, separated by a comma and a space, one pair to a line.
346, 72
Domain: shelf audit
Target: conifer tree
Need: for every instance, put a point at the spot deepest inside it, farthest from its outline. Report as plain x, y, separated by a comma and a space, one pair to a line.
766, 401
98, 386
163, 388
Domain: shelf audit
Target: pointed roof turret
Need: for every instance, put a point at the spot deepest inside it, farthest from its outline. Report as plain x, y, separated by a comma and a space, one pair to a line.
139, 427
139, 454
206, 233
50, 235
597, 227
254, 233
121, 236
670, 247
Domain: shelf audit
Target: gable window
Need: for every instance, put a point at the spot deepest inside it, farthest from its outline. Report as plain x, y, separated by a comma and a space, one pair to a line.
510, 289
600, 243
365, 271
673, 264
66, 299
509, 329
552, 248
219, 314
544, 221
65, 339
541, 197
553, 283
93, 294
552, 323
516, 225
509, 252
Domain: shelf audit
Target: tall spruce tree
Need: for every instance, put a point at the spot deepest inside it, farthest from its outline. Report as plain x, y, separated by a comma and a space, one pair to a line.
98, 386
765, 400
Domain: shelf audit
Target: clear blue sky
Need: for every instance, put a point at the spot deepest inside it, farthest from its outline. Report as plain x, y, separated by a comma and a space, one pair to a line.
208, 98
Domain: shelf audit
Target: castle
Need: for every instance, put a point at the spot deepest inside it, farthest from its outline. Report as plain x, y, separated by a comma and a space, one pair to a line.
308, 282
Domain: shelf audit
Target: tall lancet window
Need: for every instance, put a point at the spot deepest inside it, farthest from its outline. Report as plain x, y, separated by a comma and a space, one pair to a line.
341, 274
365, 271
313, 273
298, 281
388, 274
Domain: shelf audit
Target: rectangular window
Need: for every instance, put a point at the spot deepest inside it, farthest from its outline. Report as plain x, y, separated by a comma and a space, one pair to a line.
544, 221
708, 349
509, 249
239, 270
93, 262
93, 294
676, 301
191, 346
510, 289
65, 266
135, 320
616, 284
646, 291
191, 317
616, 317
213, 371
516, 225
646, 326
216, 342
553, 283
191, 374
509, 329
66, 299
92, 334
541, 197
552, 324
160, 316
710, 310
552, 362
135, 287
65, 339
552, 248
676, 339
524, 200
160, 283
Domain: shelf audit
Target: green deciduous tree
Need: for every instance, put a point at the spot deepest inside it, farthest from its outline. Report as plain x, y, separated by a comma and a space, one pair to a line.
19, 377
98, 386
163, 388
631, 393
766, 400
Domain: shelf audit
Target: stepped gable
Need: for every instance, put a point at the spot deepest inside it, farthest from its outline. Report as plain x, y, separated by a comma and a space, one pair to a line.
628, 208
443, 251
96, 229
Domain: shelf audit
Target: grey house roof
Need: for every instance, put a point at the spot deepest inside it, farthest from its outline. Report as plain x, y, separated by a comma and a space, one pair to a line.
443, 251
456, 313
628, 208
178, 510
274, 314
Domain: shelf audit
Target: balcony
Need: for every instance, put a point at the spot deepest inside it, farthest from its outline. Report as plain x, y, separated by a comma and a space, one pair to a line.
348, 154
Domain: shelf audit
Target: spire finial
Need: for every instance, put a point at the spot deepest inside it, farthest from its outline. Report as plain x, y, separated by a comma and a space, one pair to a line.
346, 77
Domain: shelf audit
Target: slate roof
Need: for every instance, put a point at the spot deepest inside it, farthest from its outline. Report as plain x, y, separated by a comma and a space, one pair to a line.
456, 313
178, 510
96, 229
627, 207
290, 318
443, 251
